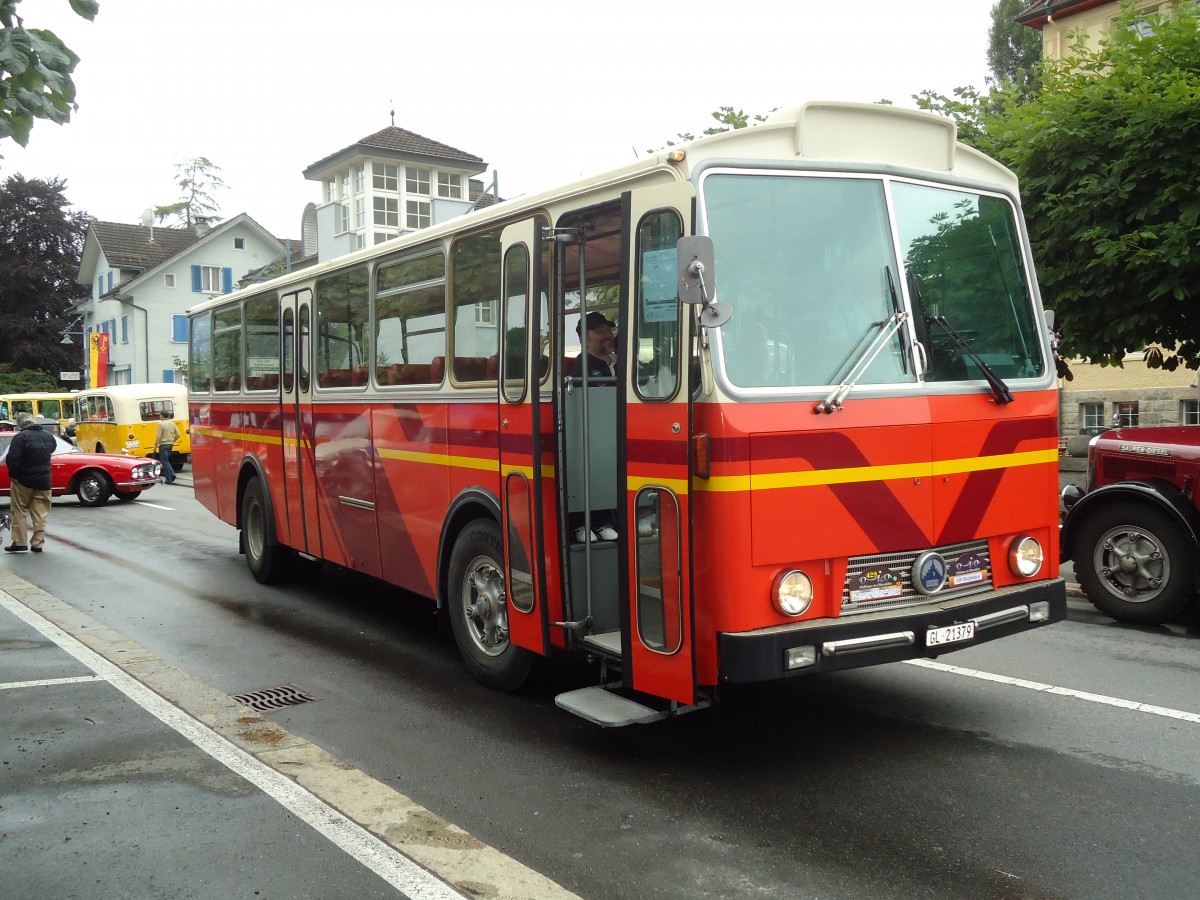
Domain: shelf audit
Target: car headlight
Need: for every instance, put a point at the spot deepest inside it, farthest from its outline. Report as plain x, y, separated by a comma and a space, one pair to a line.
1025, 557
792, 593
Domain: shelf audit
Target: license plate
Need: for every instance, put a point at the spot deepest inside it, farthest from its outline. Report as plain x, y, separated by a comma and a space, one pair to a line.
951, 634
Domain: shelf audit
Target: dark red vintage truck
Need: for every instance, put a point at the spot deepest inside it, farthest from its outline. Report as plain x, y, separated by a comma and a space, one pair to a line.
1134, 535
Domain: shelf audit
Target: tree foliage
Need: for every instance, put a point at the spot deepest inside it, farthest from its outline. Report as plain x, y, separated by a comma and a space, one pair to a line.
1014, 51
198, 180
41, 241
1109, 160
35, 72
23, 381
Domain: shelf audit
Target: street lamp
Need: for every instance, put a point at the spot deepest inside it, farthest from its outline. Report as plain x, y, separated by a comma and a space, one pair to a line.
65, 336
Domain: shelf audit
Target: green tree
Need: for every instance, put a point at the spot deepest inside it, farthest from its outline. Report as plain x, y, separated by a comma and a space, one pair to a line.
24, 381
1014, 58
35, 72
198, 179
1014, 52
1109, 160
41, 241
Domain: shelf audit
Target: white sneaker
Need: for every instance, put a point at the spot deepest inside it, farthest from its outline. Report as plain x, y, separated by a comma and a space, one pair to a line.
646, 526
582, 536
607, 533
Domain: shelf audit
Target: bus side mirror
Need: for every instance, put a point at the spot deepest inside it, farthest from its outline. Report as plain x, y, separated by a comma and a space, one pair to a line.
698, 279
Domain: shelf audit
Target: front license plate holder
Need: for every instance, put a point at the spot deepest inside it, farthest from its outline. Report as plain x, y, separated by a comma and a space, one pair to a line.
950, 634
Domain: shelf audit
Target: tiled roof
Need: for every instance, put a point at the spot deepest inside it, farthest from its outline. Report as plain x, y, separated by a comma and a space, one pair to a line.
1037, 12
404, 141
139, 247
393, 141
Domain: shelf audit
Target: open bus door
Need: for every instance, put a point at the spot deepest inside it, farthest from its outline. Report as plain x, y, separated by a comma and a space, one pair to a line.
658, 425
521, 410
651, 641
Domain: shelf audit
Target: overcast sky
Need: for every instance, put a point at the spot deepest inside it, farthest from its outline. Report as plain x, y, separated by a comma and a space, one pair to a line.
543, 91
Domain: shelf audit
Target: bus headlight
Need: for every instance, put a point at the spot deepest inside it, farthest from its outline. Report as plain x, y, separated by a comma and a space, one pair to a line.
792, 593
1025, 557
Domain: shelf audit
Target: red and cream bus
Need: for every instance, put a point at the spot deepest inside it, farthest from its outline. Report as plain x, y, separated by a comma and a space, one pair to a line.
831, 441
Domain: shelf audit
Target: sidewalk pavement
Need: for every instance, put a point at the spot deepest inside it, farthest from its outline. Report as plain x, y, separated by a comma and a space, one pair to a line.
121, 776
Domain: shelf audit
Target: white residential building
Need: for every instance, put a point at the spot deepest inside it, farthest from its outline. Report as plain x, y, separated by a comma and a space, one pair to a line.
143, 280
387, 184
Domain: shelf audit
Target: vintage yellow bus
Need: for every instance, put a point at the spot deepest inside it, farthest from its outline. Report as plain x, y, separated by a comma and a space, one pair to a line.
123, 418
57, 405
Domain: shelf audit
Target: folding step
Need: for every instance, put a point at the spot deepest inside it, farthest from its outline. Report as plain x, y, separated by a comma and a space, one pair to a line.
603, 707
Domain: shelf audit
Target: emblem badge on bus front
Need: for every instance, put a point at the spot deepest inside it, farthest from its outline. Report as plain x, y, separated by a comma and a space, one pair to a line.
929, 572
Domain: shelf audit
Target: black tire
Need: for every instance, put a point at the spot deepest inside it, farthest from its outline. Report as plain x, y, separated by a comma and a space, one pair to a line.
267, 560
93, 488
126, 496
1135, 564
478, 608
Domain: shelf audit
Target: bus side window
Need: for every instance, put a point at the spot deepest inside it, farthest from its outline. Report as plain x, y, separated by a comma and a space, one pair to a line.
475, 301
342, 319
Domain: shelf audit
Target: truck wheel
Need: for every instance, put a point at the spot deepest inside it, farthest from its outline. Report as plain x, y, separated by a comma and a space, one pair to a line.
478, 607
1135, 564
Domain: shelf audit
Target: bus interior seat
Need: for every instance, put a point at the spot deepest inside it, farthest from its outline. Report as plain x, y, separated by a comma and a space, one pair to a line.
405, 373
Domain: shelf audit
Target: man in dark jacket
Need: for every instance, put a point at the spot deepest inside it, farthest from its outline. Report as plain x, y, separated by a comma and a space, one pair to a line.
29, 470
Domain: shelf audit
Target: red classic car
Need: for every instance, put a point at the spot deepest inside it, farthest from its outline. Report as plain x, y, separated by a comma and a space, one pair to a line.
92, 477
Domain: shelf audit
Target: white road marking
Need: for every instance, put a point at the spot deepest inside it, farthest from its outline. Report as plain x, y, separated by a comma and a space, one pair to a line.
1164, 711
393, 867
155, 505
47, 682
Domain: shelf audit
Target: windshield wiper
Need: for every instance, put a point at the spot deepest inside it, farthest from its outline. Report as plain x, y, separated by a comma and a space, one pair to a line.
861, 362
999, 388
995, 382
904, 349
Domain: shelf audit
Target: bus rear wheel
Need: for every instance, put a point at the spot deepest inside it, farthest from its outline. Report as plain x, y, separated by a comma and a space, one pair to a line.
266, 559
479, 609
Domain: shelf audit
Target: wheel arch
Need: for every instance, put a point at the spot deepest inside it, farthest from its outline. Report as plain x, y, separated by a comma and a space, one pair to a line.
471, 504
1155, 494
73, 484
251, 469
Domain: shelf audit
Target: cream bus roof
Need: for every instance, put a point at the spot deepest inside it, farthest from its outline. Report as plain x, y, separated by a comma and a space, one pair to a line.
821, 134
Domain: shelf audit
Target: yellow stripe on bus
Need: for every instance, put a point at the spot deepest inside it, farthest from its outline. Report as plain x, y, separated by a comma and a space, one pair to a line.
273, 440
855, 474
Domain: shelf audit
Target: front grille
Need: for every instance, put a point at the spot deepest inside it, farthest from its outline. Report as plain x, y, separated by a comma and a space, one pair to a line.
1126, 468
884, 580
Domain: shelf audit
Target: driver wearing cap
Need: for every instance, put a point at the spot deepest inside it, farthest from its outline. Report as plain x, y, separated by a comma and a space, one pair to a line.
600, 346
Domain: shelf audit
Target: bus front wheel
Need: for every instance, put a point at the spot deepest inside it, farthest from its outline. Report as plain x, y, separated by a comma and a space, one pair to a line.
479, 609
266, 559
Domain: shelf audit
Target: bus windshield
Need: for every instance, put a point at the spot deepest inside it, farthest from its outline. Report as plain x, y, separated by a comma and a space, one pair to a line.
809, 266
962, 253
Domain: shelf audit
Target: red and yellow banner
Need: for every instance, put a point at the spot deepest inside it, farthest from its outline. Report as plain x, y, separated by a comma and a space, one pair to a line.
98, 359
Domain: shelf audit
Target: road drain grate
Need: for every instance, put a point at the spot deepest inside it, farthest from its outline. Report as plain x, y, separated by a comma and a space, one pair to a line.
276, 697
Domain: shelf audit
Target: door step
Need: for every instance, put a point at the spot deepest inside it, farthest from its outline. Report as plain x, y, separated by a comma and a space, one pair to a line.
608, 642
603, 707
